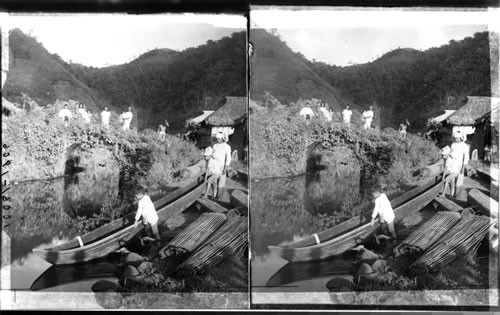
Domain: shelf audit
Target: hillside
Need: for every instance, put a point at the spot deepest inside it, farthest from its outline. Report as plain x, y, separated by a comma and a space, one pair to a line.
164, 83
276, 69
407, 83
159, 84
43, 76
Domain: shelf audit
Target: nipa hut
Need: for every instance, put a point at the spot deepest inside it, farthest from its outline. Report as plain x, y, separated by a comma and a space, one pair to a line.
463, 119
231, 120
486, 134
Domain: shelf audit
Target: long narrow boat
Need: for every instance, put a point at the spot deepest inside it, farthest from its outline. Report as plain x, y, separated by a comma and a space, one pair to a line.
112, 236
357, 230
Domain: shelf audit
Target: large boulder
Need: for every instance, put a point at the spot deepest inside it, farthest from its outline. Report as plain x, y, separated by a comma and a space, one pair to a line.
134, 259
367, 256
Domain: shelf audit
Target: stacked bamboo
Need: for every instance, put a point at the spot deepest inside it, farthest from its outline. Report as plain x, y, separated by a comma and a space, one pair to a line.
427, 234
192, 236
230, 239
463, 238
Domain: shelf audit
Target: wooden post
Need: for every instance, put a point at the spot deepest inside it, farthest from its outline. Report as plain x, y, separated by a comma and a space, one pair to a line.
486, 205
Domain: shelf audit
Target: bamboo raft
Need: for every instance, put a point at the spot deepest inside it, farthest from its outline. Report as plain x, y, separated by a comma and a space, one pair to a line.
192, 236
230, 239
461, 239
427, 234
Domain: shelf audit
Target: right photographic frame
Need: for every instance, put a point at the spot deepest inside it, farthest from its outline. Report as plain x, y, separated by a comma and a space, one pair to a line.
373, 158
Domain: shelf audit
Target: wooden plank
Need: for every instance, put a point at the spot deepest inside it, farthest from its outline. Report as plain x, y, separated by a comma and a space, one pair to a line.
361, 234
447, 204
239, 199
211, 205
483, 203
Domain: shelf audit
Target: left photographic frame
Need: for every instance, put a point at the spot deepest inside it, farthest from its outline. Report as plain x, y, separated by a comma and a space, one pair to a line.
124, 161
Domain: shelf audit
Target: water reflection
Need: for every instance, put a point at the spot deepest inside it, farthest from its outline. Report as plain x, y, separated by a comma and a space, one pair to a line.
285, 211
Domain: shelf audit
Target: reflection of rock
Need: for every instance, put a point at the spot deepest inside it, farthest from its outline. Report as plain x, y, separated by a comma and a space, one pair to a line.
97, 180
333, 176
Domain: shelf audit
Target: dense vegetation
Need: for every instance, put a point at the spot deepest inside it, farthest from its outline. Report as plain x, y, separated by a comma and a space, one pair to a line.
159, 84
404, 83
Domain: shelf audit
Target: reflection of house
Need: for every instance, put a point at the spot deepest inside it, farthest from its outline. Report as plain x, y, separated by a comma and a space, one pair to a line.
231, 120
486, 133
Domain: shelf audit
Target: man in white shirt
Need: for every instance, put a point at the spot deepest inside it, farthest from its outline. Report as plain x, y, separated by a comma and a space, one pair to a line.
368, 117
307, 112
127, 119
346, 116
460, 153
105, 115
222, 157
383, 210
65, 114
146, 210
451, 171
88, 116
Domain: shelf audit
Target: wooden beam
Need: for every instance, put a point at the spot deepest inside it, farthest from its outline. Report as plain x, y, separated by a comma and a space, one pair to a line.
484, 203
211, 205
239, 200
447, 204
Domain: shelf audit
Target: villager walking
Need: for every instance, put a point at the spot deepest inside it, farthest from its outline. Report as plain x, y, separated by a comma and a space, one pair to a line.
127, 119
222, 156
402, 128
307, 112
105, 115
383, 210
368, 118
161, 132
81, 111
346, 116
460, 153
147, 212
65, 115
213, 172
87, 117
451, 171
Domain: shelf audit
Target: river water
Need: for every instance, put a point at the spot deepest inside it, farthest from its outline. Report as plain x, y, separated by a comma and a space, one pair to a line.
45, 214
289, 209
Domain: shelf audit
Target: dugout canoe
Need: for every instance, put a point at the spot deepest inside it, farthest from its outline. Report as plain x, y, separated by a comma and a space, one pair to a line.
112, 236
357, 230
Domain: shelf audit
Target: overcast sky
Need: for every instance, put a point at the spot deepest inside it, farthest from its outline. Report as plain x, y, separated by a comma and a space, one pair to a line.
101, 40
350, 37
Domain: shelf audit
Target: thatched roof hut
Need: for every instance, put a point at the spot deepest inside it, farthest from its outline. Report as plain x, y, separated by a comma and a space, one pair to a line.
474, 108
232, 113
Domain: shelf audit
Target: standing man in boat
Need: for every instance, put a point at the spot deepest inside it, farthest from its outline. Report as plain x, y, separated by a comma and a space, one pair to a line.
383, 210
307, 112
460, 153
146, 210
346, 116
222, 156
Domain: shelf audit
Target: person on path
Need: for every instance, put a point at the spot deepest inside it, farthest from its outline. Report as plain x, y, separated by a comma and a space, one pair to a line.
147, 212
368, 117
222, 156
213, 172
460, 153
161, 132
65, 115
326, 113
127, 119
81, 111
451, 171
105, 115
402, 128
383, 210
88, 117
346, 116
307, 112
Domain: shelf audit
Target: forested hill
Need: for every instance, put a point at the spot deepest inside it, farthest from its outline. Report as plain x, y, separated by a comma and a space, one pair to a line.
407, 83
159, 84
276, 69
